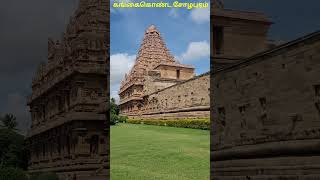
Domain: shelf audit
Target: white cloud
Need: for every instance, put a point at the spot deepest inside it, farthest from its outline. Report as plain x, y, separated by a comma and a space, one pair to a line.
174, 13
200, 15
195, 51
114, 94
120, 64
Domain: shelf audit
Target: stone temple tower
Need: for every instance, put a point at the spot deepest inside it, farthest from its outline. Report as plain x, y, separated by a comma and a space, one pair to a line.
69, 135
154, 69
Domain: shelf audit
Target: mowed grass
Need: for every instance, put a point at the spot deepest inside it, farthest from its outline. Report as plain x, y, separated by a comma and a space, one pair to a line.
145, 152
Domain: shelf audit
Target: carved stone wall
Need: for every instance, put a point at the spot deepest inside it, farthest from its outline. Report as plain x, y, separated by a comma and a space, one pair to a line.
189, 99
70, 149
266, 115
154, 83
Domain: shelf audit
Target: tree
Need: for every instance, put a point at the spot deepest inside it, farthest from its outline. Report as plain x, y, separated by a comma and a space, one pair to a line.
13, 152
9, 121
114, 108
114, 112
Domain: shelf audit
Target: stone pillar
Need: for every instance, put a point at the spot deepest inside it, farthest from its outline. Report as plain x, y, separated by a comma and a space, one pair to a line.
82, 147
65, 101
103, 146
73, 144
135, 107
94, 145
54, 145
45, 143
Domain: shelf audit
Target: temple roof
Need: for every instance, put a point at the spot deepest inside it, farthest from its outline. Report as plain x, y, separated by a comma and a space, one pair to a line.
175, 64
86, 25
220, 11
152, 28
245, 15
217, 3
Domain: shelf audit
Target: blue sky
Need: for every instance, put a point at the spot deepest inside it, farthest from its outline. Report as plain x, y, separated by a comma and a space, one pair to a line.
185, 32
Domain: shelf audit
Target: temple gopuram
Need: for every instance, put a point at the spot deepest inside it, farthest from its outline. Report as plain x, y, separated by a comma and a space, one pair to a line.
70, 133
158, 86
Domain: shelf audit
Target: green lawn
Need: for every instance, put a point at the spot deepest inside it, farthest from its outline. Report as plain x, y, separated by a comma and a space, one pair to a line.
145, 152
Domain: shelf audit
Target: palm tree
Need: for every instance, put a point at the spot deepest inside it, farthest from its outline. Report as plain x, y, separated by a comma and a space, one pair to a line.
9, 121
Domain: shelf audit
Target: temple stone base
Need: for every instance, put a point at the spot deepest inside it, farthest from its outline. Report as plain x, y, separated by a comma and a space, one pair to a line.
84, 175
175, 115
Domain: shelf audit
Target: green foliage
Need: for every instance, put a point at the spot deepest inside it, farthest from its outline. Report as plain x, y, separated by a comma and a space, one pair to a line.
114, 108
9, 121
114, 119
13, 152
13, 149
183, 123
45, 176
123, 119
12, 174
114, 112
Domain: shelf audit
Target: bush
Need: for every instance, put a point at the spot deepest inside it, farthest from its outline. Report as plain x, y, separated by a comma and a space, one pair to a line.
45, 176
123, 119
12, 174
183, 123
114, 119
